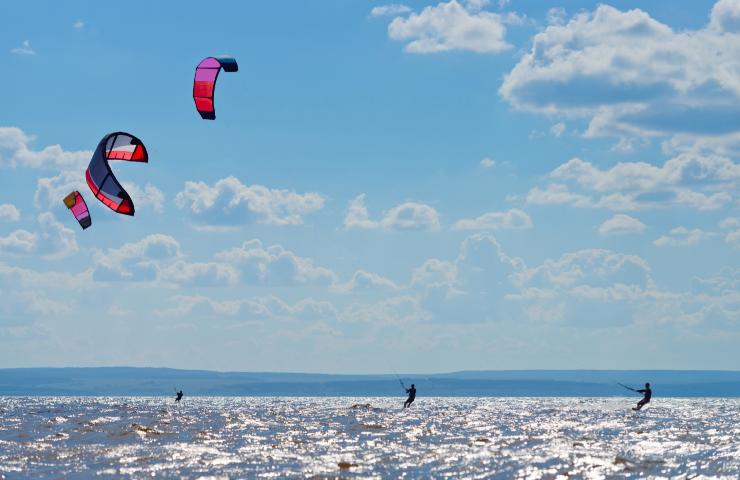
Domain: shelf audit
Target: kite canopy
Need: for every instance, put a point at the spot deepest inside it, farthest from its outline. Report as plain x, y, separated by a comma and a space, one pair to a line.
76, 203
204, 84
100, 178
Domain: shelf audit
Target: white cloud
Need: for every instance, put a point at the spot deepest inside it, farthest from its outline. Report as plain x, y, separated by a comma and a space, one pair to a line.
558, 129
19, 241
198, 273
588, 288
514, 219
411, 216
52, 241
406, 216
621, 224
149, 196
15, 151
631, 75
556, 16
684, 169
79, 25
24, 49
470, 289
557, 194
725, 16
136, 261
594, 267
451, 26
487, 163
700, 181
367, 281
9, 213
389, 10
274, 265
435, 273
51, 190
55, 240
358, 215
682, 237
229, 202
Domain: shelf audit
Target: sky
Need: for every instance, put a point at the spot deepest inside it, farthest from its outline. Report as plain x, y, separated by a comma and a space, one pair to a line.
418, 186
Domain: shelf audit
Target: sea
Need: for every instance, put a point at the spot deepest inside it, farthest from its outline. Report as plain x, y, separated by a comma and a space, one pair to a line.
369, 437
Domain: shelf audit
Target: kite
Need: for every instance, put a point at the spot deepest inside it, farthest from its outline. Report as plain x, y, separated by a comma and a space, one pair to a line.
75, 202
100, 178
204, 83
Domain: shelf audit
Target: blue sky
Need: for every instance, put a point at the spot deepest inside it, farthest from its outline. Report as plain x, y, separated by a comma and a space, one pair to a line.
419, 186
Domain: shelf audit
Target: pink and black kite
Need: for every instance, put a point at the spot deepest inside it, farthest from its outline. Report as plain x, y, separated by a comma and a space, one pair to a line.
204, 84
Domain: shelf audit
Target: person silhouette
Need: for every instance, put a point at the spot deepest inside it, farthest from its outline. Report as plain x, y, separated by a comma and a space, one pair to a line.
412, 396
647, 394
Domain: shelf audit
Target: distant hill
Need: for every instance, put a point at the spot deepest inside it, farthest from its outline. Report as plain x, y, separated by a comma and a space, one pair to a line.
528, 383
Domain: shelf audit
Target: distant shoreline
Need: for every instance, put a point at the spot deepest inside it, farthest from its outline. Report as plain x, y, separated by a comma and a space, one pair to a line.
156, 382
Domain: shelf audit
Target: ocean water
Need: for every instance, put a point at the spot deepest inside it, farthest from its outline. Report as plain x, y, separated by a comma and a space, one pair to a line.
526, 438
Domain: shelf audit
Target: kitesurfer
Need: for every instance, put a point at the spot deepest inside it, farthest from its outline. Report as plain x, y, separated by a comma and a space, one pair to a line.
647, 393
412, 396
179, 396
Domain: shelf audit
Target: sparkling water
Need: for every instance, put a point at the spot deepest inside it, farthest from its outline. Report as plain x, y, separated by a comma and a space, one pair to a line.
237, 437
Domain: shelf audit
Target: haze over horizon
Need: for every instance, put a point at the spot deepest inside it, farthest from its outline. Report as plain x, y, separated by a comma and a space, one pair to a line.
421, 187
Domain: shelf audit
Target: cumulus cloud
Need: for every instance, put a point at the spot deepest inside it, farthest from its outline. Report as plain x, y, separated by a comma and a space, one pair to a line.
15, 151
621, 224
700, 181
389, 10
148, 196
471, 288
78, 25
725, 16
683, 237
9, 213
138, 261
274, 265
435, 273
229, 202
19, 241
50, 189
514, 219
55, 240
406, 216
24, 49
411, 216
558, 194
363, 281
590, 288
451, 26
632, 76
52, 241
